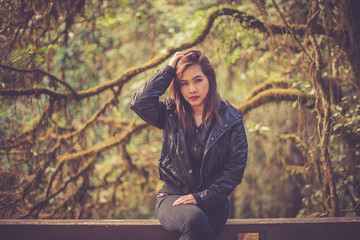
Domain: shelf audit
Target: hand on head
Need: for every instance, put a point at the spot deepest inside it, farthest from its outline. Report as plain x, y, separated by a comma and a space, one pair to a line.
174, 59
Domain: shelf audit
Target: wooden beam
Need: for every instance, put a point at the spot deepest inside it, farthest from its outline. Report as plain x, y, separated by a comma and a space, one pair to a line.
139, 229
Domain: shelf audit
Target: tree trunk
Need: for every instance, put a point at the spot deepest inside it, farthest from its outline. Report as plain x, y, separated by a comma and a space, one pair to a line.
350, 24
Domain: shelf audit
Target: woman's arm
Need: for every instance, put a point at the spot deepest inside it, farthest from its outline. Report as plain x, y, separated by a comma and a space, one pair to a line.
145, 102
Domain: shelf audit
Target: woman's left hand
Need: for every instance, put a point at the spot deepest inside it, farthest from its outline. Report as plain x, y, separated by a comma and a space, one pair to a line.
174, 59
186, 199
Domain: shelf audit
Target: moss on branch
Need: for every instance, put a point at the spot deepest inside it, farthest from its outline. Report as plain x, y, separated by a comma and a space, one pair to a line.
247, 21
267, 85
264, 96
107, 144
271, 95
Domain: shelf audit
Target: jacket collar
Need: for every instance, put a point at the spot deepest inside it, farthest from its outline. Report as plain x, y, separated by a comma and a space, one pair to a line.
228, 114
229, 117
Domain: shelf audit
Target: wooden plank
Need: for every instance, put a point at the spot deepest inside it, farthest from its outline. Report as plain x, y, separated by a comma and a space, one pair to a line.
83, 229
139, 229
296, 228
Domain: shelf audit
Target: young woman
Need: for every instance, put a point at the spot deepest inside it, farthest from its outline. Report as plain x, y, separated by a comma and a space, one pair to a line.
204, 147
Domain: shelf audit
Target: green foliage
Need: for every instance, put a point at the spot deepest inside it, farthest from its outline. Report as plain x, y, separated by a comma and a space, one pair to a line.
88, 45
257, 128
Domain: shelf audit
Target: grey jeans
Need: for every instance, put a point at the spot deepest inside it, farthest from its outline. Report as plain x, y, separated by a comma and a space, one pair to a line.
192, 222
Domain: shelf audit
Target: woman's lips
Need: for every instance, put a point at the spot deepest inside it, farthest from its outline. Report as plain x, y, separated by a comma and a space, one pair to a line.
194, 98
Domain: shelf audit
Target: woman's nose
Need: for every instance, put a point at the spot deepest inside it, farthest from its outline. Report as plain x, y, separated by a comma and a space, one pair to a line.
193, 89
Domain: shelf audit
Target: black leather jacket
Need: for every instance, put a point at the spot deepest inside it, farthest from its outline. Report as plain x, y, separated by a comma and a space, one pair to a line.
225, 152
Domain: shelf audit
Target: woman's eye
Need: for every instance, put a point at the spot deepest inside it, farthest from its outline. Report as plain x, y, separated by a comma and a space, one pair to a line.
183, 84
198, 80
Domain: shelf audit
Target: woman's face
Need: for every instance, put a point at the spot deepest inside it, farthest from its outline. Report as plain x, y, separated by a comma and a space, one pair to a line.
194, 86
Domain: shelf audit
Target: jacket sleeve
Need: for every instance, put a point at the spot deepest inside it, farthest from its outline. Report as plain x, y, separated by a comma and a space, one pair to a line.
145, 102
231, 175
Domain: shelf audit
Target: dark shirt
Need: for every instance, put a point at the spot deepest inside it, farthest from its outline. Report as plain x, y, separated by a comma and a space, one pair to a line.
195, 147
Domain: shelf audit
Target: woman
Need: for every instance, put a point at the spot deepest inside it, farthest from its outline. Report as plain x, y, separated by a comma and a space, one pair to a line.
204, 147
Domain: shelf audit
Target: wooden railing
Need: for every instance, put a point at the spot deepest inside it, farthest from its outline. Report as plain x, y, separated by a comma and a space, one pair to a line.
140, 229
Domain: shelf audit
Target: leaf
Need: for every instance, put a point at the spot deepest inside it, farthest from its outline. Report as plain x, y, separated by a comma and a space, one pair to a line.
264, 129
244, 43
45, 49
294, 104
54, 46
38, 58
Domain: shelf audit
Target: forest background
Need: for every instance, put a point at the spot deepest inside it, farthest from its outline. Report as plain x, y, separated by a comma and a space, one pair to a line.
71, 148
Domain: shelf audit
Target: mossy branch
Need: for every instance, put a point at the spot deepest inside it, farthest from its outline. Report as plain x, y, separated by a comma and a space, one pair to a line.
21, 139
266, 96
42, 72
267, 85
107, 144
299, 143
92, 153
37, 207
88, 123
247, 21
271, 95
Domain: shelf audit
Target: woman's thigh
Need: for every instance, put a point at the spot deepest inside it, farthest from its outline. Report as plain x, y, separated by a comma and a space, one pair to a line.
181, 218
175, 218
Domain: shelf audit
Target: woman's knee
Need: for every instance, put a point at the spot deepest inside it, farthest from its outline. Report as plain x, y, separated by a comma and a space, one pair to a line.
194, 220
196, 224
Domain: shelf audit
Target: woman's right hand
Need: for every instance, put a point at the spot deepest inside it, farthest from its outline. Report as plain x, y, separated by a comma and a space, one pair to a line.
174, 59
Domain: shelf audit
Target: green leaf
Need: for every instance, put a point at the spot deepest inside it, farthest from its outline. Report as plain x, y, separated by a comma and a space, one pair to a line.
54, 46
45, 49
38, 58
294, 105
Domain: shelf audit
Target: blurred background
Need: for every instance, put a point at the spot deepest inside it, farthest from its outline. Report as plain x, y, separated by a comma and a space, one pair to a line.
70, 147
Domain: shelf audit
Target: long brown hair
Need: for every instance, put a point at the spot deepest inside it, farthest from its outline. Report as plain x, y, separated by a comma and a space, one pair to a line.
212, 100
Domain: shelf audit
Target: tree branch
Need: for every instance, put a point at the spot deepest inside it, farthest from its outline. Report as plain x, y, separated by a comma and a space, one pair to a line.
291, 31
324, 116
110, 142
43, 202
247, 21
267, 85
42, 72
271, 95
